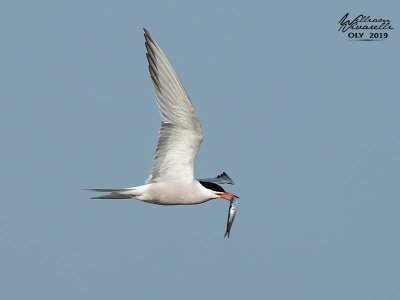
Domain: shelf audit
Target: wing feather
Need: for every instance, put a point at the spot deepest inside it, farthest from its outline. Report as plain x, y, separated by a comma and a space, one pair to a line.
180, 134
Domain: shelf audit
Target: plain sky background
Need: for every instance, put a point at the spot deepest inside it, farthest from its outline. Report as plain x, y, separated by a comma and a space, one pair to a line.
305, 121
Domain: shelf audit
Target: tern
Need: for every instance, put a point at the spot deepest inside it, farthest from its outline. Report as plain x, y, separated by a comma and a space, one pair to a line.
172, 181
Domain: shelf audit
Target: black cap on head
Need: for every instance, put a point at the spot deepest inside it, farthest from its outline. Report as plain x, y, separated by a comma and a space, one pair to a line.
212, 186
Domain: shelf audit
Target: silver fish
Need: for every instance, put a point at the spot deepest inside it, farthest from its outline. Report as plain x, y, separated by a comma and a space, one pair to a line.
231, 215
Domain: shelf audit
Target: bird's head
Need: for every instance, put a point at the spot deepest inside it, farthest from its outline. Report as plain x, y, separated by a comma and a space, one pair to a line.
217, 190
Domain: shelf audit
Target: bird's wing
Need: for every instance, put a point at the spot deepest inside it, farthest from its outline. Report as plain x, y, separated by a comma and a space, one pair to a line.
222, 178
180, 133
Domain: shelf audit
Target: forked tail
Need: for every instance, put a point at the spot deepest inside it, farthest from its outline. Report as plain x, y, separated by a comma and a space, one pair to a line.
126, 193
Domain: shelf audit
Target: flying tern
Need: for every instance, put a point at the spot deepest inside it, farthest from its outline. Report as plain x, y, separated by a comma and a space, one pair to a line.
172, 181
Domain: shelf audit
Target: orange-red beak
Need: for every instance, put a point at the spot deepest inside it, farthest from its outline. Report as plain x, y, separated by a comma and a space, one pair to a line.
226, 195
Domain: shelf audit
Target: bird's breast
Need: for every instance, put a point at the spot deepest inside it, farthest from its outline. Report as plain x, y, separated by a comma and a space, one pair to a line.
174, 193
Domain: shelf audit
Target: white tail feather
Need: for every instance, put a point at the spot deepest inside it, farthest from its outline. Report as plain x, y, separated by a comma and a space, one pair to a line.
126, 193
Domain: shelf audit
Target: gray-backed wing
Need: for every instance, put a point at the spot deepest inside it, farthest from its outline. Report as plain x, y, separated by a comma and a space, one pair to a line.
222, 178
180, 133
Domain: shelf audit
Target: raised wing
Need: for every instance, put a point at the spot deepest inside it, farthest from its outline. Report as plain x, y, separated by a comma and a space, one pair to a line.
222, 178
180, 133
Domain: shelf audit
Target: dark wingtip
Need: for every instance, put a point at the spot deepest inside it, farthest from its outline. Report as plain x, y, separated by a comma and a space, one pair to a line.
146, 34
226, 177
148, 37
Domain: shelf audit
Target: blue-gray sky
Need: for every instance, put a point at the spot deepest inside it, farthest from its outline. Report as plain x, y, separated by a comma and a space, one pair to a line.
305, 121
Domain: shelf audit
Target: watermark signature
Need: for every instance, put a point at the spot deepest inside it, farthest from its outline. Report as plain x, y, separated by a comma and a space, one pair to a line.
365, 28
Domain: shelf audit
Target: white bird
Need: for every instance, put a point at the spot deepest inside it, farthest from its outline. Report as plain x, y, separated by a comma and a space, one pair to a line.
172, 181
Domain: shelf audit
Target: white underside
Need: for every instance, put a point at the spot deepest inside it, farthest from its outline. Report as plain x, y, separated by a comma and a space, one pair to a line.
171, 193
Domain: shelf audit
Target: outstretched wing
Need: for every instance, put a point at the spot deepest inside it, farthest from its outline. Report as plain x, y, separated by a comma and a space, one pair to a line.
222, 178
180, 133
